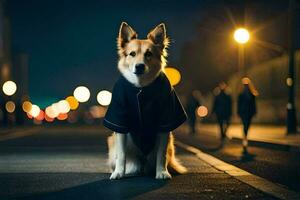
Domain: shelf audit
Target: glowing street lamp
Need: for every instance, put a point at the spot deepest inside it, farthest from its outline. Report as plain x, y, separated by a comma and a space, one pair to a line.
241, 35
9, 88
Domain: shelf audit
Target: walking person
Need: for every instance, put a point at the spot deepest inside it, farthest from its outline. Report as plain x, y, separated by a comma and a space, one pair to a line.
247, 108
194, 101
222, 107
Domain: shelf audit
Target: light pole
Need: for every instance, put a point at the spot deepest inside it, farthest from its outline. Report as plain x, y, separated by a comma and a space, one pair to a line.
242, 36
291, 109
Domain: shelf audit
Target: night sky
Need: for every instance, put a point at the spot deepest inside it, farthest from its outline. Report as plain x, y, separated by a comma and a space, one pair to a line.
73, 42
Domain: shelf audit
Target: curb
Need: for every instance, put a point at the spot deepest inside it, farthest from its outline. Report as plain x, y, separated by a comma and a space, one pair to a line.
257, 182
269, 144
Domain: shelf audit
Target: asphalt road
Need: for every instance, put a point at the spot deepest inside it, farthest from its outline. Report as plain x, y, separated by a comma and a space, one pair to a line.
70, 163
278, 166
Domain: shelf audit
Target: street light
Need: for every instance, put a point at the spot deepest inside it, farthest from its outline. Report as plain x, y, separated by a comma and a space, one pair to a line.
241, 36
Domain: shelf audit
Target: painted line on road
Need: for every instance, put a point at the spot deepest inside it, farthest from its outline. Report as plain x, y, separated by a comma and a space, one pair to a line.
18, 134
257, 182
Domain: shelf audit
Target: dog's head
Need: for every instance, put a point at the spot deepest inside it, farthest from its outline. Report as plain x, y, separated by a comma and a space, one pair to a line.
140, 61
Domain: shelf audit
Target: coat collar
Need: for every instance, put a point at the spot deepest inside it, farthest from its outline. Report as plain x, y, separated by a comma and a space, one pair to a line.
160, 85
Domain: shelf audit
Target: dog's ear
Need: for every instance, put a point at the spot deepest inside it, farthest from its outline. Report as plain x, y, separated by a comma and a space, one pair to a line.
158, 35
126, 33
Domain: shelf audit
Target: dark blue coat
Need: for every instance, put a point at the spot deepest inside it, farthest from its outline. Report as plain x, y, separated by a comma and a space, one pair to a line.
144, 112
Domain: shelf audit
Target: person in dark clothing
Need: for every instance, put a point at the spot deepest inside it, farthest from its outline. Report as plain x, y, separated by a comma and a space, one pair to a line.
222, 107
194, 101
246, 108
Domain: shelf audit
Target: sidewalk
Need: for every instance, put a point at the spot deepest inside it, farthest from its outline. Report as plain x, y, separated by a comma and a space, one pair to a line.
258, 134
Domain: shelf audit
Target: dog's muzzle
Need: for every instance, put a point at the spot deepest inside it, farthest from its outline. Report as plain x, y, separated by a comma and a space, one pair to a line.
140, 69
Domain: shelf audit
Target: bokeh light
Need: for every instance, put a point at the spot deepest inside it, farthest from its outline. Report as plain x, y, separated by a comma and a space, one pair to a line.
35, 111
9, 88
82, 94
241, 35
62, 116
104, 97
51, 111
10, 106
202, 111
289, 82
26, 106
63, 106
97, 111
41, 116
49, 119
29, 115
72, 102
173, 75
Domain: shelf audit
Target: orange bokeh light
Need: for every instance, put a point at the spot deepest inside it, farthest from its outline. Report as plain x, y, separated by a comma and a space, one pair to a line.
202, 111
72, 102
62, 116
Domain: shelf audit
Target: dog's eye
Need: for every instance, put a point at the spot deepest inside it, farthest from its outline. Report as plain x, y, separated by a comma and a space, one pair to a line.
132, 54
148, 54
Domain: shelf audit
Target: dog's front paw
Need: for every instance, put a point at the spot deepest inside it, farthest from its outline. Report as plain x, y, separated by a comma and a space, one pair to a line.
117, 175
163, 175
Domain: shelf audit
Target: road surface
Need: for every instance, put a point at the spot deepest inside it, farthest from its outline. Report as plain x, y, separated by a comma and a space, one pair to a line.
70, 163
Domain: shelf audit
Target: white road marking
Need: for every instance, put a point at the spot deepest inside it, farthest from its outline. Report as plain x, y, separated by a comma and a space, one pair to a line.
257, 182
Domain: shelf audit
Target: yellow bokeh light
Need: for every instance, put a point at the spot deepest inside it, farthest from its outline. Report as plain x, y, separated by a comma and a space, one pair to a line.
289, 82
10, 106
9, 88
202, 111
82, 94
173, 75
34, 111
241, 35
26, 106
72, 102
104, 97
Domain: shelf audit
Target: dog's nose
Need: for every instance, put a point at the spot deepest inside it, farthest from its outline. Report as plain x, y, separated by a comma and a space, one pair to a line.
140, 68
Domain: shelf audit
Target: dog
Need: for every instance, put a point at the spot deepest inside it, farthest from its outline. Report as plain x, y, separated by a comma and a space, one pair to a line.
144, 108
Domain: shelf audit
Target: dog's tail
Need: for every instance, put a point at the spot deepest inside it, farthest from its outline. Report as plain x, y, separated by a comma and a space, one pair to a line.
174, 164
177, 167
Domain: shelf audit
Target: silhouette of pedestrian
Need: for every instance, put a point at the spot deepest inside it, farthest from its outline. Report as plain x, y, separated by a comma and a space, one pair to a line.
222, 107
247, 108
194, 101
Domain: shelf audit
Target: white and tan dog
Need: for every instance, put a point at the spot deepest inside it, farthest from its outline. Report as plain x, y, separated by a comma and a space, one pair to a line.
140, 63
